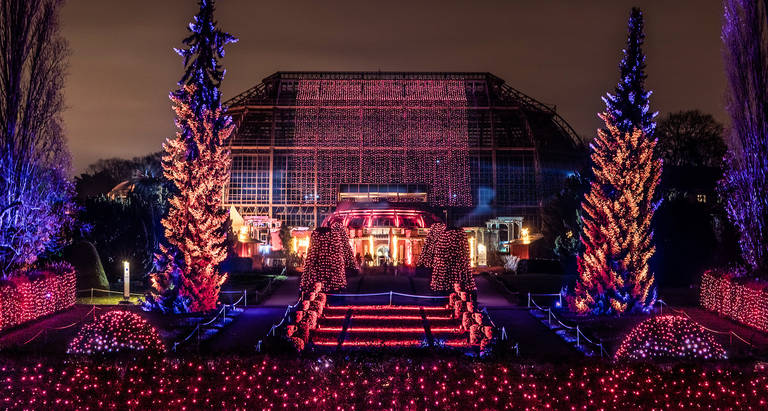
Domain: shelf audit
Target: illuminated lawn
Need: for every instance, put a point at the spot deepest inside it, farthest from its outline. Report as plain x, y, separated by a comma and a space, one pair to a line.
370, 383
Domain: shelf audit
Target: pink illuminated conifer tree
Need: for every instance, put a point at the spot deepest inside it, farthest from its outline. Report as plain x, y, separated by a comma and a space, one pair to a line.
194, 225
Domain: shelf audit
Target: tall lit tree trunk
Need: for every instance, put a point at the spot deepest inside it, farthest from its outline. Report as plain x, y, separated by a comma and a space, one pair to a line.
34, 161
745, 28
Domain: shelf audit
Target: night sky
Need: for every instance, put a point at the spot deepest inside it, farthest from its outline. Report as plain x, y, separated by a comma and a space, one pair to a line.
563, 53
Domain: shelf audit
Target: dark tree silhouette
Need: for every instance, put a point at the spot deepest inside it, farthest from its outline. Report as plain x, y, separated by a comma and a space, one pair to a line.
561, 221
690, 139
34, 161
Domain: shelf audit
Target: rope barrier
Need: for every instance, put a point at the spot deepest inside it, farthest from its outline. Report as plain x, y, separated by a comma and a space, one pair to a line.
35, 336
357, 295
60, 328
285, 316
578, 334
729, 332
106, 291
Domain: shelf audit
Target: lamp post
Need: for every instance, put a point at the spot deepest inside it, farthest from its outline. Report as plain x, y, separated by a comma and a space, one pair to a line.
126, 283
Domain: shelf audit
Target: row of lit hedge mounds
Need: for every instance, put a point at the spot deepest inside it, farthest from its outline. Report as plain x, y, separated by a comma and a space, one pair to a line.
669, 337
117, 332
742, 299
28, 296
372, 383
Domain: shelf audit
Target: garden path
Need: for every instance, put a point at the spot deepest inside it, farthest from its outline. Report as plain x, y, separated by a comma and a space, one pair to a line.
242, 336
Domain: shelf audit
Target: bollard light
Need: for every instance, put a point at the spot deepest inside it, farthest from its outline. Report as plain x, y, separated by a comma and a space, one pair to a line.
126, 281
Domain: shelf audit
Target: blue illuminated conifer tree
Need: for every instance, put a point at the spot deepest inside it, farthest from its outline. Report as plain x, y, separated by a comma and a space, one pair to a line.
629, 104
186, 276
614, 274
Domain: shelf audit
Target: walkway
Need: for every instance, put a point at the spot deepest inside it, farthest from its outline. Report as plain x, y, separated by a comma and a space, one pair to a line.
286, 293
242, 336
535, 340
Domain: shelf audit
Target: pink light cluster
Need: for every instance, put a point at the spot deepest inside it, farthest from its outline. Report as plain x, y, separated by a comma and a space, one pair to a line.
745, 302
669, 337
27, 297
116, 331
383, 131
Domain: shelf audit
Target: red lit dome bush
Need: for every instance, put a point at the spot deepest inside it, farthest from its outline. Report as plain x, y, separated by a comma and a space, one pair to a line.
117, 332
670, 337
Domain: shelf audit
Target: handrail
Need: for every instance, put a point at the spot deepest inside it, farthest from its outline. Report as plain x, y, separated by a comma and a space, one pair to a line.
389, 293
282, 320
222, 311
551, 315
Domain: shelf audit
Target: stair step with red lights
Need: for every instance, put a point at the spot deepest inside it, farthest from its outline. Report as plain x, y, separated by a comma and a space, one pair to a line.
387, 326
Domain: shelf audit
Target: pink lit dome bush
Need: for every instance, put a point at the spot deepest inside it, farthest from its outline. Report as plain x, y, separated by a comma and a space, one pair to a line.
117, 332
669, 337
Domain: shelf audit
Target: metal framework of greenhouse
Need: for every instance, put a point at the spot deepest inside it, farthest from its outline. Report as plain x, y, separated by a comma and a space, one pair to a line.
482, 148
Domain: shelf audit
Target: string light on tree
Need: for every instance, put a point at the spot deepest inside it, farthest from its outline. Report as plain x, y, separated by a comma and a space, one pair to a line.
325, 261
197, 163
193, 227
614, 275
745, 181
451, 263
346, 247
428, 251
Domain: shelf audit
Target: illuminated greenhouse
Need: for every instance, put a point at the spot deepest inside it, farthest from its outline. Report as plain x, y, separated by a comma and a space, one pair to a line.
465, 145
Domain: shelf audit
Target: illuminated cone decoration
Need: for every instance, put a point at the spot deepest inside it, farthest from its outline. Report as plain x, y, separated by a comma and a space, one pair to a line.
193, 227
428, 251
325, 261
614, 276
346, 248
450, 263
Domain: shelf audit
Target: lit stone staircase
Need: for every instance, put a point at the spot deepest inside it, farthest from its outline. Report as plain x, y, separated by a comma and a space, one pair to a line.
387, 326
